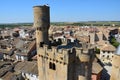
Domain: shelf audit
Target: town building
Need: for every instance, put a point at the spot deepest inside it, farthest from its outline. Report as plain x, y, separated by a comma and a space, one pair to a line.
107, 53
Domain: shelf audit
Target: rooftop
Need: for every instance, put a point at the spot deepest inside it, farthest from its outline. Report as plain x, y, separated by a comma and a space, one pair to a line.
27, 67
108, 47
96, 68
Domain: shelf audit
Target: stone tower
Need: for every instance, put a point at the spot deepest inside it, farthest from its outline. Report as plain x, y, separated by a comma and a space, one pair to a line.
100, 36
92, 38
41, 23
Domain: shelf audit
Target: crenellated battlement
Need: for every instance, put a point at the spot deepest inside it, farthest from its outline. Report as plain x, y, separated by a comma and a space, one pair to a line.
65, 56
84, 54
62, 55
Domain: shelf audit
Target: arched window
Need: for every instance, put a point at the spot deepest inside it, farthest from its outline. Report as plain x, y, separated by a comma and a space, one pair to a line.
52, 66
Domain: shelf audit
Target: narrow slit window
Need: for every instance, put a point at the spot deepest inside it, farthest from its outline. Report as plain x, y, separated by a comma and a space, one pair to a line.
52, 66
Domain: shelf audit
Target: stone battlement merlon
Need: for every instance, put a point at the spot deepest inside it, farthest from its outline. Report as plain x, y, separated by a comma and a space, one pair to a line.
62, 55
65, 55
62, 51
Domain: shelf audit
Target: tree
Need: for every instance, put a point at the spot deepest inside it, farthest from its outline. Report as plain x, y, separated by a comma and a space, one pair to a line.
114, 42
97, 50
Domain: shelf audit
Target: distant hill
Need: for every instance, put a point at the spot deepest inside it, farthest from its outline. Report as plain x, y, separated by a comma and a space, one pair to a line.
12, 25
88, 23
81, 23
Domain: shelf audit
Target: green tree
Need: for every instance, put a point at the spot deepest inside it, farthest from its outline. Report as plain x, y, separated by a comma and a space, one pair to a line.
114, 42
97, 50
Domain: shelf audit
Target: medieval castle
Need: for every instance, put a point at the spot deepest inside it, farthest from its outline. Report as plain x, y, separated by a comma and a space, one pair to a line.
60, 59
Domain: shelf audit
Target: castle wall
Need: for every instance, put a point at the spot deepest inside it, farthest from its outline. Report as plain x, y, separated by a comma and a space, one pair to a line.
59, 58
45, 73
115, 73
70, 64
83, 66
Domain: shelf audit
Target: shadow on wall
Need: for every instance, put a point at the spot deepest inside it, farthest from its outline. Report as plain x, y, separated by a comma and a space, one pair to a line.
1, 56
82, 69
105, 75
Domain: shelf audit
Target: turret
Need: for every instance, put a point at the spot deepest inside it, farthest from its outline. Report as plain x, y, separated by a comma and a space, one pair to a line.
41, 23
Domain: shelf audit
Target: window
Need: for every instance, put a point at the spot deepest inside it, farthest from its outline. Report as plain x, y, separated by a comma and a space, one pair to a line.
108, 51
61, 58
39, 55
41, 44
52, 66
37, 28
103, 51
107, 57
103, 55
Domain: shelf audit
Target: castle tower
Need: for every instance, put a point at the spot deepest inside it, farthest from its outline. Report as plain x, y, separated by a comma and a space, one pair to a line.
55, 63
100, 36
41, 23
92, 38
115, 73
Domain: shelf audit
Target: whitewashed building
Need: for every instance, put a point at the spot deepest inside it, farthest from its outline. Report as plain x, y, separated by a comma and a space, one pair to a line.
107, 53
28, 69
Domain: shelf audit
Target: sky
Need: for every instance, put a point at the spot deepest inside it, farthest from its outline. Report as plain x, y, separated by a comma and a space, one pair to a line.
21, 11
